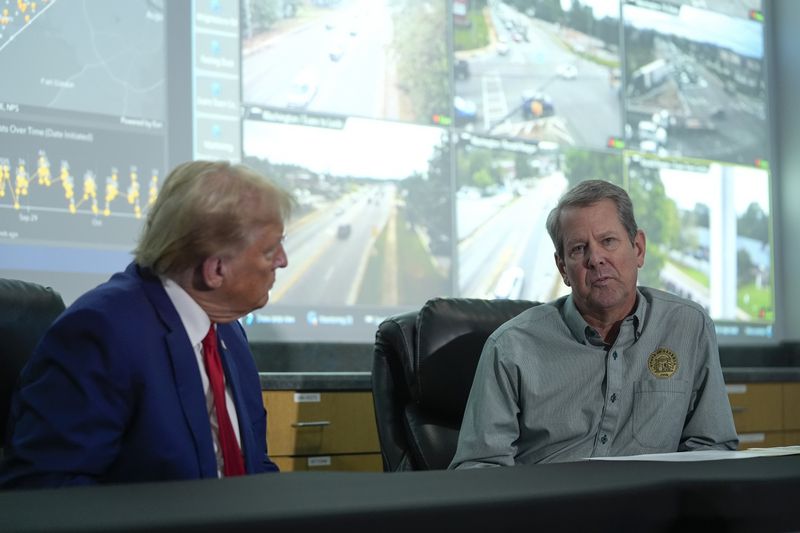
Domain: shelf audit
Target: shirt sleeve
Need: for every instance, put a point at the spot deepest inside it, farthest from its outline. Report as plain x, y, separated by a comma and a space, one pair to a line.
490, 428
709, 423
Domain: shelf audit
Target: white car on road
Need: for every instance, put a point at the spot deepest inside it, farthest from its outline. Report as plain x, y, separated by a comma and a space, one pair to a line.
567, 72
303, 90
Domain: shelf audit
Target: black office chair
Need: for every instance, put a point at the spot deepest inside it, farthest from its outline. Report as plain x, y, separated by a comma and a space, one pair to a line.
422, 371
26, 311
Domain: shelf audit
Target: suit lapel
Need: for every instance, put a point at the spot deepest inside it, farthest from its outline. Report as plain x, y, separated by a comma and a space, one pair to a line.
186, 374
193, 401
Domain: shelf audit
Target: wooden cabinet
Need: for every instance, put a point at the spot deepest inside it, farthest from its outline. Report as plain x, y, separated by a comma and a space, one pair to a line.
366, 462
756, 406
322, 431
791, 407
336, 430
766, 414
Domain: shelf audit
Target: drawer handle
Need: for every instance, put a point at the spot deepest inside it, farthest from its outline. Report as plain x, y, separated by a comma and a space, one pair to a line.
738, 409
316, 424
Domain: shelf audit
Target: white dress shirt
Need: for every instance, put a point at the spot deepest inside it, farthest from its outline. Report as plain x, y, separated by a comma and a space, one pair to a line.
196, 323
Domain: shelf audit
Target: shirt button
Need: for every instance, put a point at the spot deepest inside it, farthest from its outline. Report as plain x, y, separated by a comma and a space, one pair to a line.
603, 439
615, 356
614, 397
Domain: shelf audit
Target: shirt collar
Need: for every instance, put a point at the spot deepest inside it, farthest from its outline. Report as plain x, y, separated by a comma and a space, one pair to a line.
195, 320
586, 334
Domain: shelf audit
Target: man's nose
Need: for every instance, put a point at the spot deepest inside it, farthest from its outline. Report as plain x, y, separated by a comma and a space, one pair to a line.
594, 256
282, 260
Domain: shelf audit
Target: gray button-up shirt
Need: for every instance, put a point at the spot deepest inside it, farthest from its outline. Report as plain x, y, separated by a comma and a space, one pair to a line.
547, 389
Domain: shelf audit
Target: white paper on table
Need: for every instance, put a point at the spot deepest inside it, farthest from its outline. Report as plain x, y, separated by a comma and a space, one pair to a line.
705, 455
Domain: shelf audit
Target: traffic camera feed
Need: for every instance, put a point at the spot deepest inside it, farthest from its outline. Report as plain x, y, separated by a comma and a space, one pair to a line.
425, 161
696, 84
541, 75
425, 142
700, 214
350, 57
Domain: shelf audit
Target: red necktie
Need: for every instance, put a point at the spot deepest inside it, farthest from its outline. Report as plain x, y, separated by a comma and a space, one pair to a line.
233, 464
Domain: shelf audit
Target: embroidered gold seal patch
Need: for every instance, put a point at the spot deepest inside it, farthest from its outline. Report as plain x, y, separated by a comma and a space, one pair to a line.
662, 363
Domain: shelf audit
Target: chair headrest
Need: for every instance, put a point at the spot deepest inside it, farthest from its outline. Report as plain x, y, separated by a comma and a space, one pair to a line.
26, 312
450, 336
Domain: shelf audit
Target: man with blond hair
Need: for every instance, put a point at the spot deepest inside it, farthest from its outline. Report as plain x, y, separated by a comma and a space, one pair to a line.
149, 375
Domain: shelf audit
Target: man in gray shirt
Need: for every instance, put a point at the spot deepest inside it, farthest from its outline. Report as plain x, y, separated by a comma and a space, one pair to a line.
610, 369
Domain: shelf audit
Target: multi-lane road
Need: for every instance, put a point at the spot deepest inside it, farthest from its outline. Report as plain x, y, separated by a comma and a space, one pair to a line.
327, 263
335, 63
529, 56
513, 237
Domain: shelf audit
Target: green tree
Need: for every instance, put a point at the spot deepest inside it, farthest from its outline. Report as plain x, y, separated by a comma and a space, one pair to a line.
549, 10
482, 179
580, 165
639, 49
258, 16
420, 49
655, 212
701, 215
658, 216
607, 29
277, 173
745, 268
523, 167
580, 18
428, 200
754, 223
475, 168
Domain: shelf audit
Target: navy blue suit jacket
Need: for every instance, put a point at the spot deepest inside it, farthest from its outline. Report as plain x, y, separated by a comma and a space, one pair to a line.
113, 393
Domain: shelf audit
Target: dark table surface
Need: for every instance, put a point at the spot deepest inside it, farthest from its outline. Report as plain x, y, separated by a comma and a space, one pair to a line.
754, 494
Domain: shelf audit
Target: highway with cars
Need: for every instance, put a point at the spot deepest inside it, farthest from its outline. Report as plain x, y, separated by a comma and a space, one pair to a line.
529, 59
328, 248
336, 62
511, 238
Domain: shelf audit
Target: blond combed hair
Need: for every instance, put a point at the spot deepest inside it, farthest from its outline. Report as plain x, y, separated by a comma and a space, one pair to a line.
206, 208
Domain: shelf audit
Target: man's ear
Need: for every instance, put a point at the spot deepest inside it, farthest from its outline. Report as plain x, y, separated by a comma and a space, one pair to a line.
640, 245
213, 272
562, 268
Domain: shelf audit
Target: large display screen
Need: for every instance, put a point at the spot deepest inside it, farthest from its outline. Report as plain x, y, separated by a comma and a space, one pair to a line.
428, 141
83, 147
424, 140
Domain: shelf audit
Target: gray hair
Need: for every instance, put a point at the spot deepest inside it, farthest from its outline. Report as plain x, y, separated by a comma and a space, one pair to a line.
206, 208
587, 193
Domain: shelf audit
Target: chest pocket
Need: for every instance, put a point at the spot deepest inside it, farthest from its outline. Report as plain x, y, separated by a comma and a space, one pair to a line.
659, 411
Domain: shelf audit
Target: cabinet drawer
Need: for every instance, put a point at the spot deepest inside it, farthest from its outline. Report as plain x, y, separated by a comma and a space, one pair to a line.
320, 423
765, 439
791, 406
756, 406
791, 438
368, 462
